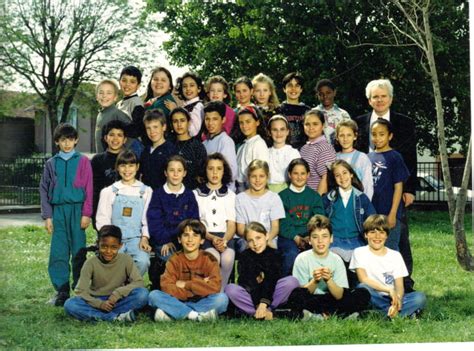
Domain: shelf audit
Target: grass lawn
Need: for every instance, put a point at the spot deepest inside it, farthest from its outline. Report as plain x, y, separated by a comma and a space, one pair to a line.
27, 322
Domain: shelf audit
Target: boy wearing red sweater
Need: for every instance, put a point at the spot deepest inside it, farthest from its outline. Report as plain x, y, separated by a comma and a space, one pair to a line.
191, 284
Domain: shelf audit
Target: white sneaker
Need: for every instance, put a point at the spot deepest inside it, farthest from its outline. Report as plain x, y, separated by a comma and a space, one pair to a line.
353, 316
161, 316
207, 316
307, 315
126, 317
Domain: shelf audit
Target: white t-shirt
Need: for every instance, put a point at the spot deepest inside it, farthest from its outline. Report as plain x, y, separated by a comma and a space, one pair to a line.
263, 209
215, 209
279, 161
383, 269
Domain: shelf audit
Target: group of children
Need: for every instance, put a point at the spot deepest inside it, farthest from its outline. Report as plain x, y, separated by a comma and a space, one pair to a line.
195, 183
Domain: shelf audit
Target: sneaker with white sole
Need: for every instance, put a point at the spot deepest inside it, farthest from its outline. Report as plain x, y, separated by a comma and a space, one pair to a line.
126, 317
307, 315
161, 316
207, 316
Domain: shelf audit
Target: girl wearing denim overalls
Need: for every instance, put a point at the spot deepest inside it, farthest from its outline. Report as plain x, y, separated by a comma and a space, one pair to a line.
125, 204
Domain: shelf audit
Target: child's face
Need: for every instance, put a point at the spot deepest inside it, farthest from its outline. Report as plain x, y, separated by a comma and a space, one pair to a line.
380, 101
326, 96
343, 177
109, 247
243, 94
248, 125
106, 95
299, 176
190, 88
180, 123
320, 240
346, 138
258, 180
293, 90
216, 92
313, 127
175, 173
256, 241
129, 84
279, 132
215, 172
128, 172
190, 240
155, 130
66, 144
214, 122
115, 140
376, 239
160, 84
381, 137
262, 93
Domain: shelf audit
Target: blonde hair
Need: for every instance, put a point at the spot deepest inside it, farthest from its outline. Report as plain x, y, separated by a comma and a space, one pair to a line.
258, 164
273, 101
110, 82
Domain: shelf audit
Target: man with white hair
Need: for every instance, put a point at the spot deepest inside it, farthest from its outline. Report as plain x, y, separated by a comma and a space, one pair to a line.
380, 96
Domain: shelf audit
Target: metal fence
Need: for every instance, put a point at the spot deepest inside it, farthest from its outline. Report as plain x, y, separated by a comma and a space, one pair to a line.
19, 180
20, 177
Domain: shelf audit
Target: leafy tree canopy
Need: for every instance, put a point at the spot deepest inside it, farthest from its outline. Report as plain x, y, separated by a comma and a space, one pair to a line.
339, 40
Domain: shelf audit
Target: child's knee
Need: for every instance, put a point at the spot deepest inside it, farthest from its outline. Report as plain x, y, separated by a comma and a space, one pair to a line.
141, 295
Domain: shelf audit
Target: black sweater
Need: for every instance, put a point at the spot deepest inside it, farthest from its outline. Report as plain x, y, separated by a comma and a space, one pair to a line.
266, 265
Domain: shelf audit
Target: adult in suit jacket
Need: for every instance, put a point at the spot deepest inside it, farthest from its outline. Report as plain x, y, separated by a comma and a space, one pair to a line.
380, 96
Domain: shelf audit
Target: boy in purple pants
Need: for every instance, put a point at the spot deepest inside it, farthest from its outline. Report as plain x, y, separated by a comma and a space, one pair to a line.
261, 287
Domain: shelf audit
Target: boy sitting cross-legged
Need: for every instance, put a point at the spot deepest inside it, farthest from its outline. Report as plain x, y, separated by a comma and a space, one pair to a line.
380, 270
110, 287
322, 274
191, 282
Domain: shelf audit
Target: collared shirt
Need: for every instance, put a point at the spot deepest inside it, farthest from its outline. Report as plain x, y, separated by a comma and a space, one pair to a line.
293, 188
345, 195
169, 191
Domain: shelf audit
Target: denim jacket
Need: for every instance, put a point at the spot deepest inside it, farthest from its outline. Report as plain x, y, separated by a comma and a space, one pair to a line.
363, 208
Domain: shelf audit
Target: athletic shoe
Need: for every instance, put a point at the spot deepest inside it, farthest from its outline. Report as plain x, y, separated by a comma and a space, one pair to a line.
58, 299
161, 316
207, 316
126, 317
353, 316
307, 315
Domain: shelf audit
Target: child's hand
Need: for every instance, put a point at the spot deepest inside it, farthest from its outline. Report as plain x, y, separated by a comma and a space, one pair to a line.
170, 105
326, 273
48, 224
106, 306
113, 299
261, 311
260, 278
144, 245
392, 220
218, 243
317, 274
85, 221
167, 249
180, 284
298, 241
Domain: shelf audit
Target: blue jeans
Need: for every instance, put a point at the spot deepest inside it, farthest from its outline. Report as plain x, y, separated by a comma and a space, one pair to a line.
78, 308
411, 301
288, 251
344, 246
178, 309
394, 236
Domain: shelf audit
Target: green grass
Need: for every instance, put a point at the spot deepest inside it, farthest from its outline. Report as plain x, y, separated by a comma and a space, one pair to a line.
27, 322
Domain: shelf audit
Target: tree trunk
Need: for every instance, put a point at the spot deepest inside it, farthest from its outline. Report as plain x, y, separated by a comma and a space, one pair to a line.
456, 208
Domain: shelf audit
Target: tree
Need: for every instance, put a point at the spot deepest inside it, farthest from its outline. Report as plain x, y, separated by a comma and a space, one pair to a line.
276, 37
56, 45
